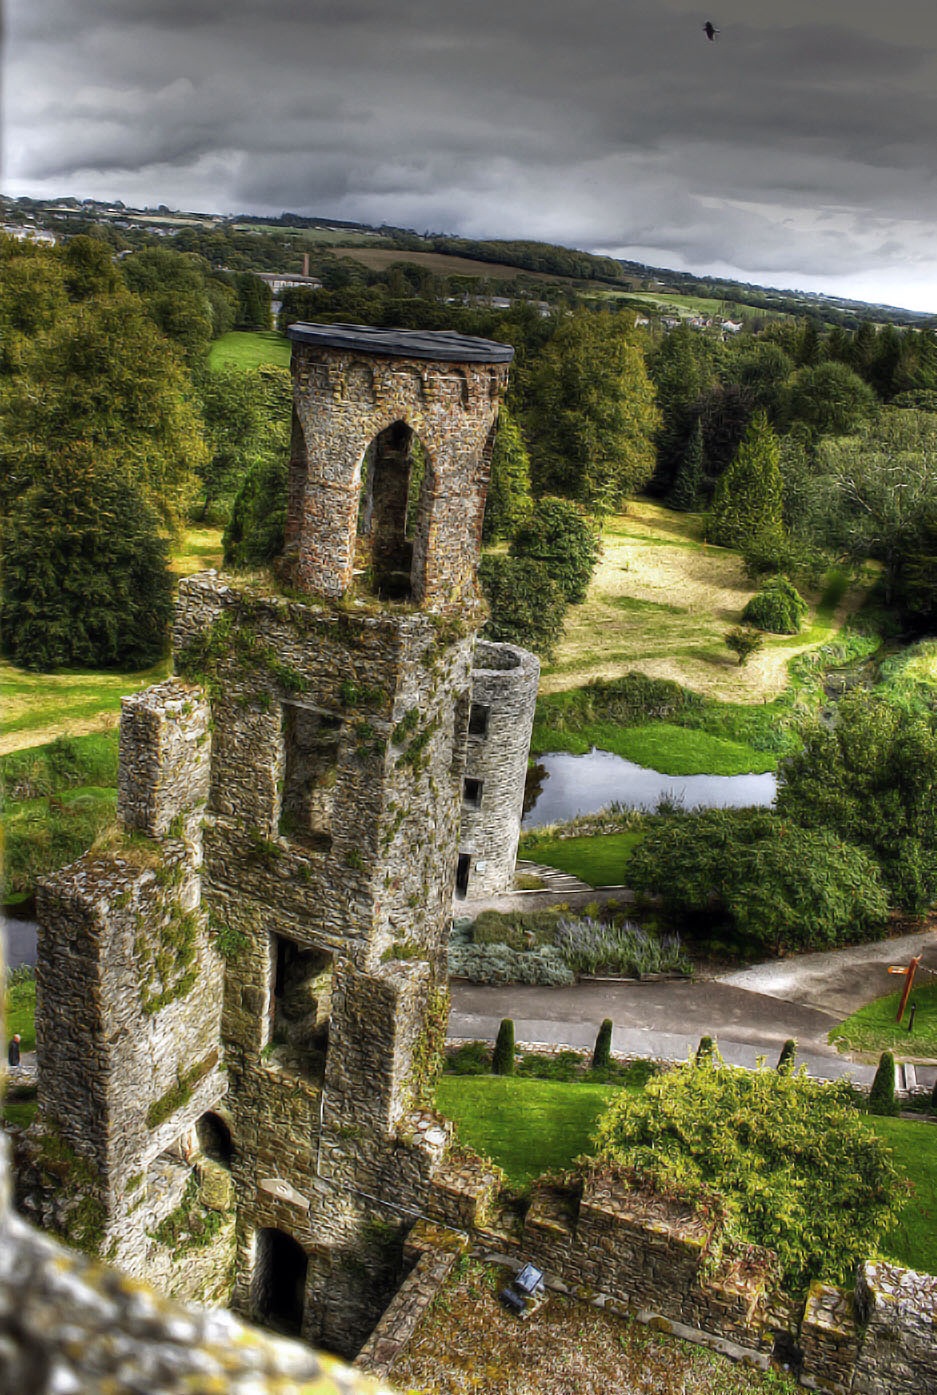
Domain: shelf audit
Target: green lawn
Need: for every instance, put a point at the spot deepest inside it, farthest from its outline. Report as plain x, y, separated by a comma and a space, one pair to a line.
913, 1240
250, 349
662, 746
529, 1126
526, 1126
599, 860
21, 1012
873, 1028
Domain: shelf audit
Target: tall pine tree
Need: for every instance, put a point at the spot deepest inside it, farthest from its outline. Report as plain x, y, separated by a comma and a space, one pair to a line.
746, 510
688, 486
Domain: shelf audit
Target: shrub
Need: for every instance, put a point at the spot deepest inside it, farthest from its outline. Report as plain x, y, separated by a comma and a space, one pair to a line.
788, 1056
502, 1061
786, 1160
543, 967
527, 605
589, 946
882, 1094
933, 1099
778, 607
743, 642
602, 1053
779, 886
517, 929
560, 535
705, 1051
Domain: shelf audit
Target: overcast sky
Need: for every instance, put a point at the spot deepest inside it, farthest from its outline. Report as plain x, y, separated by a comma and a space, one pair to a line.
799, 149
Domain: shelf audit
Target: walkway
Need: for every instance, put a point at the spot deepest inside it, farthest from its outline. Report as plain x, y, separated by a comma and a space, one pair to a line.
751, 1011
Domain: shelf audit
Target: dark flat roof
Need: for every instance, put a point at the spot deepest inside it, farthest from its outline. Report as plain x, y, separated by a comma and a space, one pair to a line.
443, 345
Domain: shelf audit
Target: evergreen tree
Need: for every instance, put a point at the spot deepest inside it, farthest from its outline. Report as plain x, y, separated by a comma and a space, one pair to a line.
747, 505
688, 485
706, 1052
509, 502
602, 1051
788, 1056
882, 1094
591, 414
502, 1060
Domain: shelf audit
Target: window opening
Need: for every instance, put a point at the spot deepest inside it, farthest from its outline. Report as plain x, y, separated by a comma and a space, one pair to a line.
472, 793
462, 874
478, 719
386, 553
301, 1003
214, 1139
312, 749
280, 1282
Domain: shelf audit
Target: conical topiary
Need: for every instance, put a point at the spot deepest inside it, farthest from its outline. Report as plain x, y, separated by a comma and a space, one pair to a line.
602, 1052
502, 1061
705, 1051
787, 1056
882, 1093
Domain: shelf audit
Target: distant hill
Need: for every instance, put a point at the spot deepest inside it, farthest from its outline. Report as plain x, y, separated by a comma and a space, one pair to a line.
378, 247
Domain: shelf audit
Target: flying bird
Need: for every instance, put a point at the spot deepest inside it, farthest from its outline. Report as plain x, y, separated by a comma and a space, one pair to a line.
710, 30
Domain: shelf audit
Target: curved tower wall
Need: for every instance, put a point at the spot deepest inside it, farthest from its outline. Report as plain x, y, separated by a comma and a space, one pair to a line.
504, 694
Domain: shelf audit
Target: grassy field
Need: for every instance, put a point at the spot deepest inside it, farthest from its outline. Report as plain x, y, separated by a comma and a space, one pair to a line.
528, 1126
443, 263
913, 1239
599, 860
661, 601
37, 707
874, 1029
250, 349
21, 1011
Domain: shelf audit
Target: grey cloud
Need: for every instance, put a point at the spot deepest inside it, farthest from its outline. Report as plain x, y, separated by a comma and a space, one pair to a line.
810, 133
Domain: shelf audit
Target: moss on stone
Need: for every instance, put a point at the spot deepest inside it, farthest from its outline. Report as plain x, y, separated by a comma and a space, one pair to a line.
179, 1094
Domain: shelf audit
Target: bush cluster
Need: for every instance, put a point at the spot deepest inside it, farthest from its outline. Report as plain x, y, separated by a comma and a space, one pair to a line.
543, 967
775, 884
784, 1158
778, 607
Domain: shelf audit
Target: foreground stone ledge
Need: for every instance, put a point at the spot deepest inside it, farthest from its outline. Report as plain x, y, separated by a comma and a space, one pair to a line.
69, 1326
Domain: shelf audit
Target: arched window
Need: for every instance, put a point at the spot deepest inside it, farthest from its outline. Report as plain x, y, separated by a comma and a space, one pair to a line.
214, 1139
393, 513
279, 1287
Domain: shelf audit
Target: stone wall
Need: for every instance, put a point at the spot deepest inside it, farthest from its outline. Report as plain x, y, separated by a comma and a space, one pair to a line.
898, 1310
504, 696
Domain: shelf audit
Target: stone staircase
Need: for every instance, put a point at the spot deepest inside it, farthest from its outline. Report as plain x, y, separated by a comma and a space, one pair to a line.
553, 879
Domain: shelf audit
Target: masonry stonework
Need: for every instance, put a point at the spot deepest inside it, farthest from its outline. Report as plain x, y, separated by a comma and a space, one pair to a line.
501, 718
242, 1002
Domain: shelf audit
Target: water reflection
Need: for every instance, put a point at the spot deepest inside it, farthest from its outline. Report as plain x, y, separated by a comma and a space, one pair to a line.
560, 786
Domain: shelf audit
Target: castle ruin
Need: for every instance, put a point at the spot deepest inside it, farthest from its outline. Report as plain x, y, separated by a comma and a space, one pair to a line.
242, 1003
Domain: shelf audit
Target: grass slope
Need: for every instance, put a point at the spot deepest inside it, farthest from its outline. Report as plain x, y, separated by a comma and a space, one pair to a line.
249, 349
873, 1028
661, 601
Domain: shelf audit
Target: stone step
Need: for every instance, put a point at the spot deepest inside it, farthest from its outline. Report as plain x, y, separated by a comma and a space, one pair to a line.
552, 878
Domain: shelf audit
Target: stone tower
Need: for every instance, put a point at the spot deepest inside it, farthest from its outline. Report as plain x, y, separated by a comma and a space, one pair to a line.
251, 982
501, 718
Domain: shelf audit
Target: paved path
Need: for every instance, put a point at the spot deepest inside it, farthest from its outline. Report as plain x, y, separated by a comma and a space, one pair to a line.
751, 1012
